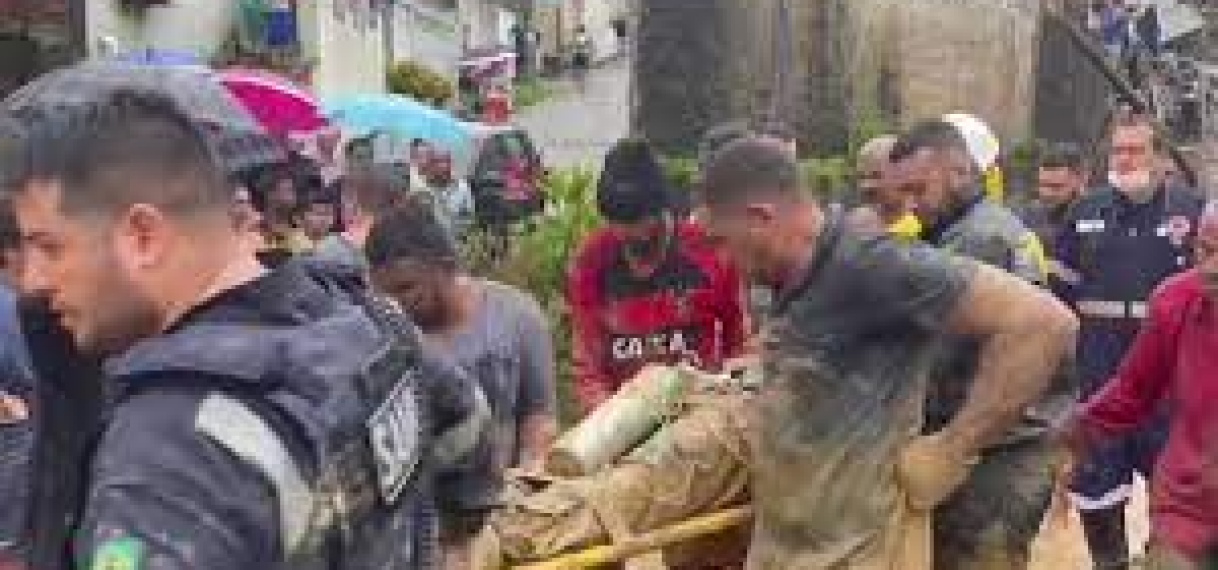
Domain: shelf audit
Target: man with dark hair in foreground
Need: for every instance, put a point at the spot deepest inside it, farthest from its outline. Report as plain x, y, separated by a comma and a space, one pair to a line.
247, 406
856, 324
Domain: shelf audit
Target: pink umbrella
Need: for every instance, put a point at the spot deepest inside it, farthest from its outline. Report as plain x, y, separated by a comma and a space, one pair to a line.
282, 107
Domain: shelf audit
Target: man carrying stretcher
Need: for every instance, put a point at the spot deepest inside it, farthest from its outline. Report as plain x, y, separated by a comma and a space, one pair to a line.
841, 476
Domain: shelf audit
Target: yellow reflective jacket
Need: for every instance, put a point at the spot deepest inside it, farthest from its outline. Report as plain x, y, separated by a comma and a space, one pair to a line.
907, 229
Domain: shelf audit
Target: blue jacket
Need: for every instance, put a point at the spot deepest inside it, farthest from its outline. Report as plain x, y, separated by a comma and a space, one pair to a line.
16, 438
1115, 252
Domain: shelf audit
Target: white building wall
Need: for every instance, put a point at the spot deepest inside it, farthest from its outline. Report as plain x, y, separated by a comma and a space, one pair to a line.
349, 54
597, 17
484, 24
199, 26
429, 36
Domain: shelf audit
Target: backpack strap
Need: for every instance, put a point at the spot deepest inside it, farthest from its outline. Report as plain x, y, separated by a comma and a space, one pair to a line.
241, 431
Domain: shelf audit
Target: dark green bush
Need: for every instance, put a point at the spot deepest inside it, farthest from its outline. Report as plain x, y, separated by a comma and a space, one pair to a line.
419, 82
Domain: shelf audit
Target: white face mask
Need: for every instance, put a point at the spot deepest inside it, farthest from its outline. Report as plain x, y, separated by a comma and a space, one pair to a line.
1138, 180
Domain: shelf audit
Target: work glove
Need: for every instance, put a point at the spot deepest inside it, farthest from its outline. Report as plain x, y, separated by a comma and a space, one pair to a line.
930, 469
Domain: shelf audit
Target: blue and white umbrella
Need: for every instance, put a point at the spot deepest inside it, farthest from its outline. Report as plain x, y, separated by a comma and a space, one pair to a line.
401, 118
160, 56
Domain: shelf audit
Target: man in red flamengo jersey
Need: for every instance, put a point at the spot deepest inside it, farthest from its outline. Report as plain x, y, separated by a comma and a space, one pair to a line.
647, 288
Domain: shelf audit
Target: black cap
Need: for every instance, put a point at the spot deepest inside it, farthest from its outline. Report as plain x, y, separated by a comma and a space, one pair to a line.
632, 186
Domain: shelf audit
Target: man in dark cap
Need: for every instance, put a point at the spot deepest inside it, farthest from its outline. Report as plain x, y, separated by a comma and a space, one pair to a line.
647, 288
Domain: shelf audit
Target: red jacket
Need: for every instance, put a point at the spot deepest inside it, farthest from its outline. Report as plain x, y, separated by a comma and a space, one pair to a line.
497, 107
692, 305
1174, 357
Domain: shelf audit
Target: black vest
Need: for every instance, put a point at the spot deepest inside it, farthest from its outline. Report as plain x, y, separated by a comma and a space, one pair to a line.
333, 391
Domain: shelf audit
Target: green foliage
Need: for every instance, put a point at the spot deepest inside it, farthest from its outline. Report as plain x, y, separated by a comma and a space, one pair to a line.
419, 82
827, 177
531, 91
1019, 165
538, 258
1021, 156
682, 172
870, 124
824, 177
539, 255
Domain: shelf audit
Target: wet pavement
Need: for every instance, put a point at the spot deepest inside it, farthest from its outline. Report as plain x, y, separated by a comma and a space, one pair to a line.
576, 129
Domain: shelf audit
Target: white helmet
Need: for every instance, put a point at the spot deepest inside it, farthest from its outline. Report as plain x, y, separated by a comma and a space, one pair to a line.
981, 141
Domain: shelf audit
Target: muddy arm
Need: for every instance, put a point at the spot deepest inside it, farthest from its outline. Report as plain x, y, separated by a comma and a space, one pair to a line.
1026, 333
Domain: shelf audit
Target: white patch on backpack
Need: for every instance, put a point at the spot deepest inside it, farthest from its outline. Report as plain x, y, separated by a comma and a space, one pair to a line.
394, 433
1089, 226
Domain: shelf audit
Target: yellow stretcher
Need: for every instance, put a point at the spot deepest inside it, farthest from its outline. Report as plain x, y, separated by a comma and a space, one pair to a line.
697, 527
671, 493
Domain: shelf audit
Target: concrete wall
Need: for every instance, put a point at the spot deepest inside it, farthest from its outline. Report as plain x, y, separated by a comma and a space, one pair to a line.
596, 16
195, 25
703, 62
1071, 93
481, 24
981, 57
427, 35
349, 53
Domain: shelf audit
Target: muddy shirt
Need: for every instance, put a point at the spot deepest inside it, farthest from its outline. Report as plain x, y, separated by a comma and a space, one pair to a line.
848, 352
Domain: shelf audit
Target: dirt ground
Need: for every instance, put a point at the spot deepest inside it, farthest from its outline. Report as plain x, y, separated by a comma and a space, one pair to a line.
1060, 545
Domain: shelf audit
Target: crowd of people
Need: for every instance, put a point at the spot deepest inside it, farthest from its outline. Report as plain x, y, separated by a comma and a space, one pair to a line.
1110, 242
420, 399
298, 205
295, 368
1051, 340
